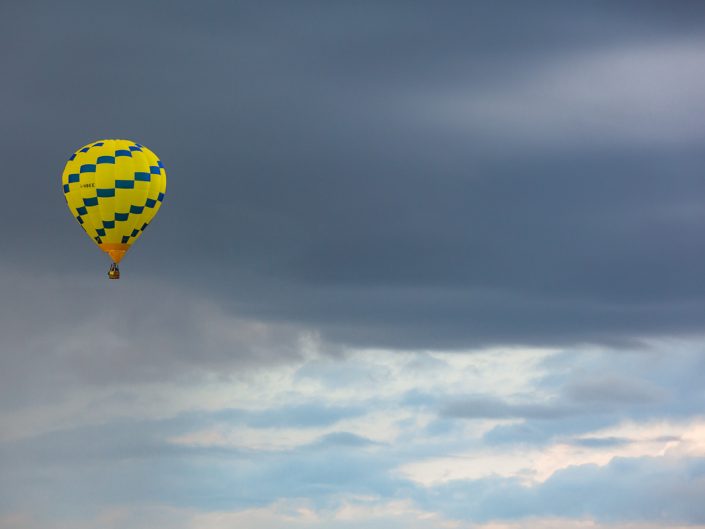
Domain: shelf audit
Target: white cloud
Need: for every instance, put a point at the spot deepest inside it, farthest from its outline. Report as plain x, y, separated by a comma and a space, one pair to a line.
536, 464
392, 398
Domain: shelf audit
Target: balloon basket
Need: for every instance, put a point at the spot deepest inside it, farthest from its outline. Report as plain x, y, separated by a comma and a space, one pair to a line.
114, 272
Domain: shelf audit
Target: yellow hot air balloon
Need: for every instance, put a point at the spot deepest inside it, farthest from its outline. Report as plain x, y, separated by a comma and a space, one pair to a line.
114, 188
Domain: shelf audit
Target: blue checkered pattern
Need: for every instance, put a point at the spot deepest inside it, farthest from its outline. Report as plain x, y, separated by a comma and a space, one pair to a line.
89, 201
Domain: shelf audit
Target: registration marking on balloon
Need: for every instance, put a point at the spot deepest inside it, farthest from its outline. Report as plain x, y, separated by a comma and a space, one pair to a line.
114, 188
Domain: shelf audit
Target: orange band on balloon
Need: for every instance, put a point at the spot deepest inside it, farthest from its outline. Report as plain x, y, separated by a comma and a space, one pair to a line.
116, 251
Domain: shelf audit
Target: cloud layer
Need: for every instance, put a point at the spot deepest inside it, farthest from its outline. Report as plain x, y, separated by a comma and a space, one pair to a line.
418, 266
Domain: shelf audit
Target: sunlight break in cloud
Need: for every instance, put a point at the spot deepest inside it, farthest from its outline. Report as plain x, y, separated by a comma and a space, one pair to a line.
644, 94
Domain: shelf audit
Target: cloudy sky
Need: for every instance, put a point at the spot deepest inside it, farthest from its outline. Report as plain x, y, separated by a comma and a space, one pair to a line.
421, 265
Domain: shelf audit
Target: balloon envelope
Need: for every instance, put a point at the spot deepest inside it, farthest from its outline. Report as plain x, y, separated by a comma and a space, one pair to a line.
114, 188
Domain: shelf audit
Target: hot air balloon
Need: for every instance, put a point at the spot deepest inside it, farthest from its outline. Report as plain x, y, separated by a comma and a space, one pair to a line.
114, 188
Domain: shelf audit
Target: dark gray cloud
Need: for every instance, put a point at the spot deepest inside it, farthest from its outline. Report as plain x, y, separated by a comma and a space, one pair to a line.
613, 389
583, 392
385, 174
64, 334
301, 416
366, 170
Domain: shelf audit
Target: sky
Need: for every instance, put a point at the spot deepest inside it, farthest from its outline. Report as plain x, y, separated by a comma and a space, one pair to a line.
420, 265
